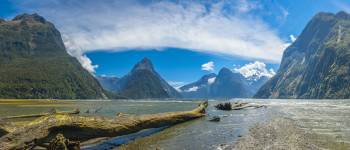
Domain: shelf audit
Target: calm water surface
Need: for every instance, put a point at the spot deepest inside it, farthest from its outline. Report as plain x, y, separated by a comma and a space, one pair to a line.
325, 117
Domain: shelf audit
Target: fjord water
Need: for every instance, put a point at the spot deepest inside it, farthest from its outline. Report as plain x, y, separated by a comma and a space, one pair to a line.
326, 118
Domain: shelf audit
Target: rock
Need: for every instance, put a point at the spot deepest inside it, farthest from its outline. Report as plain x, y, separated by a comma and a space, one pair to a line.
215, 119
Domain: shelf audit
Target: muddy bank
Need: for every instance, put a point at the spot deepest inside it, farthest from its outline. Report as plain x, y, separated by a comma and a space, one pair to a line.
284, 134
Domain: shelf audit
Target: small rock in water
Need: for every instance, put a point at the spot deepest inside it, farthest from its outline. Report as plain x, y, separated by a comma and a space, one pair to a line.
215, 119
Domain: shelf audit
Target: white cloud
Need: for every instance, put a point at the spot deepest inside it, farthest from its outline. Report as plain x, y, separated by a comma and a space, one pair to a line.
255, 70
292, 38
199, 26
192, 89
209, 66
211, 80
74, 50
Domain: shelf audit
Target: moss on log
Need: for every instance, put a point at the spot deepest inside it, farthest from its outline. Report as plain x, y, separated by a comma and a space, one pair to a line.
61, 143
83, 128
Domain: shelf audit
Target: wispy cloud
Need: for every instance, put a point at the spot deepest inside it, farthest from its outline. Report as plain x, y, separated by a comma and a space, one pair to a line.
292, 38
244, 6
209, 66
192, 89
342, 5
208, 27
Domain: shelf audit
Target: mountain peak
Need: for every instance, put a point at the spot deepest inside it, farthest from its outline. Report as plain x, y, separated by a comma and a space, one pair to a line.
144, 64
29, 17
224, 70
343, 15
210, 75
327, 15
144, 82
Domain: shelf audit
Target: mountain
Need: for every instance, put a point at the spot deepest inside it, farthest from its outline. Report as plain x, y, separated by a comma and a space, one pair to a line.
226, 84
230, 85
316, 65
108, 83
144, 82
200, 88
34, 63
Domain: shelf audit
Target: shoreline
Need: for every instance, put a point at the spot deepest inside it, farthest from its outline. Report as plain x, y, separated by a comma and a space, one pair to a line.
284, 133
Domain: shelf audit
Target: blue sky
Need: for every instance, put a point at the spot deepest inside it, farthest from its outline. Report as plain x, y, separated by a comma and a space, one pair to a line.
108, 37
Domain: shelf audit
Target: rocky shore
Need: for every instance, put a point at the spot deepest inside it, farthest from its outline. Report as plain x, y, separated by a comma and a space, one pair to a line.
283, 134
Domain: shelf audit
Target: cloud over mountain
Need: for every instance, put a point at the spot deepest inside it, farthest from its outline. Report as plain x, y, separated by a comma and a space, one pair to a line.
218, 27
255, 70
209, 66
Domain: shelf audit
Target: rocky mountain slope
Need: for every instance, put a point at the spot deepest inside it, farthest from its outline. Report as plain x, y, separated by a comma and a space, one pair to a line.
226, 84
34, 63
200, 88
317, 64
144, 82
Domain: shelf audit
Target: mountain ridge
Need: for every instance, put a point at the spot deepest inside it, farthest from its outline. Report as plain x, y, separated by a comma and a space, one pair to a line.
316, 65
34, 63
227, 84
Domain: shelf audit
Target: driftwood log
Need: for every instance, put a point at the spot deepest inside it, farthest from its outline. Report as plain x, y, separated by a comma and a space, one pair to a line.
236, 106
82, 128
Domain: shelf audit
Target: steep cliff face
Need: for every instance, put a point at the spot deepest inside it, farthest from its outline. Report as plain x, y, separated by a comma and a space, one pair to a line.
108, 83
144, 82
34, 63
317, 64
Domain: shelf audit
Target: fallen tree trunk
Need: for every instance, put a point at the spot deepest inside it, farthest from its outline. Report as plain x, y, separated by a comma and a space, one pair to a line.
246, 106
236, 106
83, 128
